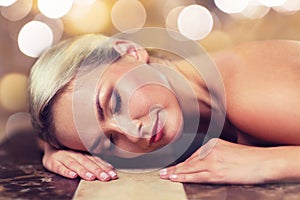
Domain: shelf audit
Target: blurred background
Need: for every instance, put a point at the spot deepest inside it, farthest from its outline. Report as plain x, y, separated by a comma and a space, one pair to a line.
28, 27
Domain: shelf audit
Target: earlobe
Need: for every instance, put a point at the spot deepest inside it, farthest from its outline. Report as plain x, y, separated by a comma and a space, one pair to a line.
131, 49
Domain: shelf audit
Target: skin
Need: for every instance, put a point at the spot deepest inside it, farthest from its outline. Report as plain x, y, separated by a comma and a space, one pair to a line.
261, 81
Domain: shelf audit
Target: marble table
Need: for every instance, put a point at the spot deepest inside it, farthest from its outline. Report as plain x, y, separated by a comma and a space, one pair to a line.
22, 176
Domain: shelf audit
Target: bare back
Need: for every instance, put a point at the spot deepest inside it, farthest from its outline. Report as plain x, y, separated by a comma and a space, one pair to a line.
262, 83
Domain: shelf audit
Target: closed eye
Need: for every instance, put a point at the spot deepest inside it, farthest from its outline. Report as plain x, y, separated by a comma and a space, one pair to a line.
112, 144
117, 101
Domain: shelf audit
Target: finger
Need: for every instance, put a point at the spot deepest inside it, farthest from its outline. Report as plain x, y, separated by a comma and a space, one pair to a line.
166, 172
107, 167
62, 170
98, 159
191, 166
186, 167
82, 171
199, 177
100, 168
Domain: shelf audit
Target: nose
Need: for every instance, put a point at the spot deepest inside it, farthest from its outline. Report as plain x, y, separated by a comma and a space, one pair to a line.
132, 132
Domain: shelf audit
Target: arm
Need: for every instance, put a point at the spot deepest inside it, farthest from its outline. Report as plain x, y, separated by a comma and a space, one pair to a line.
71, 164
222, 162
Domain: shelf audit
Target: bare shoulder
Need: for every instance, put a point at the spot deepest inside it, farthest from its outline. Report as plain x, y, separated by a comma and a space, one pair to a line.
263, 89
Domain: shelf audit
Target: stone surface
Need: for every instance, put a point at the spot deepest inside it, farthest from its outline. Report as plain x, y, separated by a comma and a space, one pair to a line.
22, 176
131, 186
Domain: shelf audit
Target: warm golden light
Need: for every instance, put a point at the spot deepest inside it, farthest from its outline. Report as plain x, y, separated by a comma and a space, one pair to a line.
87, 18
170, 5
172, 18
289, 7
17, 11
128, 14
217, 40
171, 21
13, 92
254, 10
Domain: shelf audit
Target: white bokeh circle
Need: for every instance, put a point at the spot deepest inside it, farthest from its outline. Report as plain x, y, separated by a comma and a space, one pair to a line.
34, 38
231, 6
272, 3
195, 22
7, 2
55, 8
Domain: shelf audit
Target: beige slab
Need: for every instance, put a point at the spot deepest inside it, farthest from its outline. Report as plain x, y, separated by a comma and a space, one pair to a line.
131, 186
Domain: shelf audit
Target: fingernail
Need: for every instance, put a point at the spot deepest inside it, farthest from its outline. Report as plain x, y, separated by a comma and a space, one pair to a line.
72, 174
173, 176
89, 175
112, 174
163, 172
104, 176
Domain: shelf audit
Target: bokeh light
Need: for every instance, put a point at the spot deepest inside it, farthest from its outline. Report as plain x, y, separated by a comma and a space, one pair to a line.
171, 23
34, 38
289, 7
195, 22
87, 18
231, 6
84, 2
7, 2
170, 5
56, 26
17, 122
17, 11
172, 18
13, 95
272, 3
55, 8
216, 40
255, 10
128, 14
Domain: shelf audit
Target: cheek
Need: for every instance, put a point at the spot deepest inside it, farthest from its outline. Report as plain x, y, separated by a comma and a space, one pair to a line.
142, 100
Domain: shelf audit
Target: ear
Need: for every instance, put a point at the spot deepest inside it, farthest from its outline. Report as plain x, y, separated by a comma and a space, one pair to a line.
131, 49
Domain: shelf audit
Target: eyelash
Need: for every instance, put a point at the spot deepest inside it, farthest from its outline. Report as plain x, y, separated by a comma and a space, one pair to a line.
112, 145
118, 101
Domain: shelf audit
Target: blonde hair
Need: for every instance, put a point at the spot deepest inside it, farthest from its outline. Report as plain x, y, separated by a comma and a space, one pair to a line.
54, 70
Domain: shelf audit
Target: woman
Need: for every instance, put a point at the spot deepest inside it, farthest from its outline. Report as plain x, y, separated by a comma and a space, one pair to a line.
260, 132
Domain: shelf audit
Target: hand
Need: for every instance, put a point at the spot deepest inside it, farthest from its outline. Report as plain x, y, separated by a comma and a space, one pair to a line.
222, 162
72, 164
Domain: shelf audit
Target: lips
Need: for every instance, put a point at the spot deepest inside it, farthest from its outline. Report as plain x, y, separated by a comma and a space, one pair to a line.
157, 131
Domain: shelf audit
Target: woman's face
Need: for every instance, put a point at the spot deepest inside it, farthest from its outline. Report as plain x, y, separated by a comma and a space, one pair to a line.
133, 117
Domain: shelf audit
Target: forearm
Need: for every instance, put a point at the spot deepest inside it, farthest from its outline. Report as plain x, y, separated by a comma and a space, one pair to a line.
283, 164
223, 162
